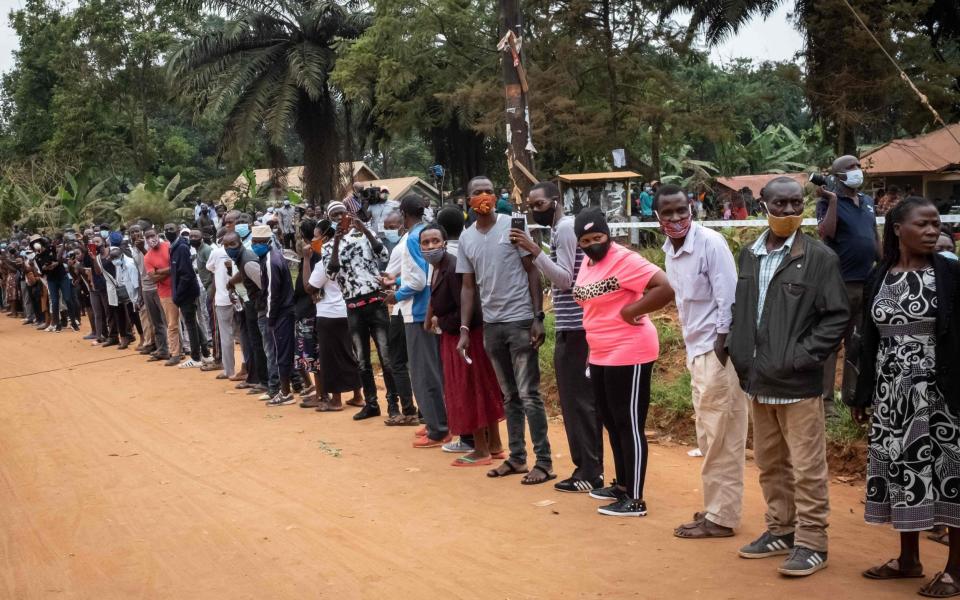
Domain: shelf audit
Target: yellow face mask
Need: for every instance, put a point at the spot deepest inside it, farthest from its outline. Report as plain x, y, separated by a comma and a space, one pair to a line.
784, 226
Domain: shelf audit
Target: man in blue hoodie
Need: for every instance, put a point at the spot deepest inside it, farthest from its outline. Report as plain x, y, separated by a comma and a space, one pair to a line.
186, 291
423, 351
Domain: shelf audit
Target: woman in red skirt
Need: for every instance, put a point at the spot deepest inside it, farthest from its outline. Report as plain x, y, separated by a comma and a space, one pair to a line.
471, 393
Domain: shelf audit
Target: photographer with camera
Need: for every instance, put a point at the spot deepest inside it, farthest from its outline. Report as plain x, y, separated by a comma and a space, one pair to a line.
848, 225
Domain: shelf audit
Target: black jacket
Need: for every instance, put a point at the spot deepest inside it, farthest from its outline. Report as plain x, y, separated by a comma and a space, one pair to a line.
804, 317
186, 287
947, 273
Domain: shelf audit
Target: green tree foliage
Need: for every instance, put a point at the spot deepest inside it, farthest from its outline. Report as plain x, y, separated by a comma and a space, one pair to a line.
267, 69
157, 203
850, 86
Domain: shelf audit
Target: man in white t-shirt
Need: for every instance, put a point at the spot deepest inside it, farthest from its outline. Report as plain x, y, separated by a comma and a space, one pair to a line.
223, 269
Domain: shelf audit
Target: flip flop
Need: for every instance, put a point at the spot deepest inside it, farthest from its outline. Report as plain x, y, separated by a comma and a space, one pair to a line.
891, 570
498, 455
700, 530
548, 476
512, 469
463, 461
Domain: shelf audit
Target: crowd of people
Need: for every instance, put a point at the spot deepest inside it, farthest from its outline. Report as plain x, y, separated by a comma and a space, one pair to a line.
455, 312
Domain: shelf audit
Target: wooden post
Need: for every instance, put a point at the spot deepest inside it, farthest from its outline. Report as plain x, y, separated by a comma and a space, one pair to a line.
520, 146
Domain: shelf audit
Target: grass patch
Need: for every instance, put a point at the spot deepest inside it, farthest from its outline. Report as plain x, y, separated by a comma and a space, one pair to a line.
843, 429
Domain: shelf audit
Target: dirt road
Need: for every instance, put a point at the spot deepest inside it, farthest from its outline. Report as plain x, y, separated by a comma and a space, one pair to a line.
122, 479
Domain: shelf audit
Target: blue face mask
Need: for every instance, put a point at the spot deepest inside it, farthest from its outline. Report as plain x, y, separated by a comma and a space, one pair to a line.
391, 235
243, 230
234, 253
948, 254
260, 249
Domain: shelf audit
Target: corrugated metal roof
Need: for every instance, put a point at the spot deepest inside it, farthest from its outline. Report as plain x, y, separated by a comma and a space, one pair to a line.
756, 182
599, 176
933, 152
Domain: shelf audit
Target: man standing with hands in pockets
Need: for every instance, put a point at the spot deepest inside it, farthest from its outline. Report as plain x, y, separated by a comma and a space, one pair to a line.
703, 275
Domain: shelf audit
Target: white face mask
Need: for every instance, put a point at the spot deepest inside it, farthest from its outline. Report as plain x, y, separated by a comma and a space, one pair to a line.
854, 179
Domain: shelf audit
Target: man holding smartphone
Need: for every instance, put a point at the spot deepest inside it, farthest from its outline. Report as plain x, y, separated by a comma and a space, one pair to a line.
703, 274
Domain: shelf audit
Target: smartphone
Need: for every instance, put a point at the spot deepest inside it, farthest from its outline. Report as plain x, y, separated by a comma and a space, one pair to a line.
518, 221
345, 223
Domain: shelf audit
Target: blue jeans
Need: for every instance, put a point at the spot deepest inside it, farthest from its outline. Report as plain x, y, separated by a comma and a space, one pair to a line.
61, 289
517, 366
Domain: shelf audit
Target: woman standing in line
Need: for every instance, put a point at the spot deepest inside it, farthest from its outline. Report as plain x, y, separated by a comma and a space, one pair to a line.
471, 393
336, 368
908, 375
617, 288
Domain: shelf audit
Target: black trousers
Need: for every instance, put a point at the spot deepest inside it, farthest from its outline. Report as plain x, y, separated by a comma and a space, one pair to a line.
257, 367
623, 396
400, 399
282, 330
197, 346
581, 418
851, 352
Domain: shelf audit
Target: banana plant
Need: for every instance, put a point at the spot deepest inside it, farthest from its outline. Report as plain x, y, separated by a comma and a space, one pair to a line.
157, 203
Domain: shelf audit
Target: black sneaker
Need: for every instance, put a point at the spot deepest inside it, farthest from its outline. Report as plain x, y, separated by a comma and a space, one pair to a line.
803, 562
367, 412
768, 545
625, 507
281, 400
75, 326
578, 486
611, 492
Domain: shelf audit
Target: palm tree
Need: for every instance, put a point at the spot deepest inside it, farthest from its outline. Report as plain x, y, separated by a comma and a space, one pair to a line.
267, 69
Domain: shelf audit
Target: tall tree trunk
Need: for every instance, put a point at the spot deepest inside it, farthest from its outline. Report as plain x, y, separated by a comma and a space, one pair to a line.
518, 127
317, 128
655, 148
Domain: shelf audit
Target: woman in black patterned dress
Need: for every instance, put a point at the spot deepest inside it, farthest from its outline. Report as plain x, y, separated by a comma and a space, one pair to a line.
913, 471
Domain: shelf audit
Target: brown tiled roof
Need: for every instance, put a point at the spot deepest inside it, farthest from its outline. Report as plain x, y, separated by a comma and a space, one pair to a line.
933, 152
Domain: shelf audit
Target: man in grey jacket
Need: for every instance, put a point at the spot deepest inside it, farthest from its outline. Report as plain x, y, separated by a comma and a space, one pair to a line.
789, 314
581, 420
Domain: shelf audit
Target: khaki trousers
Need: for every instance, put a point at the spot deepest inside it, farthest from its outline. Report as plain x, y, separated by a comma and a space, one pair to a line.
789, 448
723, 412
172, 314
147, 325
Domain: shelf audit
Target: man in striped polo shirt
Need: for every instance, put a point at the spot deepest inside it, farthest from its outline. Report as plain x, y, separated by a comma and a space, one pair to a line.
580, 416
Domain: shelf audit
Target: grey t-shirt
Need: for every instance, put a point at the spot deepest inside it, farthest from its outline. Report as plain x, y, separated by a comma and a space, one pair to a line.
504, 291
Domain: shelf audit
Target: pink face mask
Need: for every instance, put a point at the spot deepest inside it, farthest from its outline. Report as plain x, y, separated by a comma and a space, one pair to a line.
676, 229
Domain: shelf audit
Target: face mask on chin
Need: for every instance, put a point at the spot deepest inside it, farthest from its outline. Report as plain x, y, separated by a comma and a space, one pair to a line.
675, 229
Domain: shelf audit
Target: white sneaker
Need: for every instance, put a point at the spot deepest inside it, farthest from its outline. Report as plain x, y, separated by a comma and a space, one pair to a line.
189, 364
264, 397
206, 360
695, 453
51, 328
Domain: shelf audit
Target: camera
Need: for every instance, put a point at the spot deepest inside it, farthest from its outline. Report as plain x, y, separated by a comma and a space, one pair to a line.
371, 194
829, 181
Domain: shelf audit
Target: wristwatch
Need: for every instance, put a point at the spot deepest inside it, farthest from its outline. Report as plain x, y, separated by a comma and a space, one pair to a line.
540, 316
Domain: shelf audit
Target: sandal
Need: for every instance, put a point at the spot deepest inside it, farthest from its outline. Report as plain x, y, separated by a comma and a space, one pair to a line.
394, 420
940, 536
547, 476
507, 468
701, 529
498, 455
219, 376
941, 586
358, 403
324, 406
464, 461
891, 570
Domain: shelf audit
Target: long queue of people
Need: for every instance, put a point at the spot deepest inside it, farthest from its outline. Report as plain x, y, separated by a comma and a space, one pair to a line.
453, 308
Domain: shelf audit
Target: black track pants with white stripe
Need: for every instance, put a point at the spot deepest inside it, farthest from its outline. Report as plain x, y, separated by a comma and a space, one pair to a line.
623, 397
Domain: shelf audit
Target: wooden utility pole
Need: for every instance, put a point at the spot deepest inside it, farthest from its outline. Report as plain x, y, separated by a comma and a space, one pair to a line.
520, 149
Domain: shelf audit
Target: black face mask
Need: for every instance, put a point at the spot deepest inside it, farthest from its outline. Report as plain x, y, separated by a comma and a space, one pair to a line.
544, 218
196, 243
596, 252
170, 235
